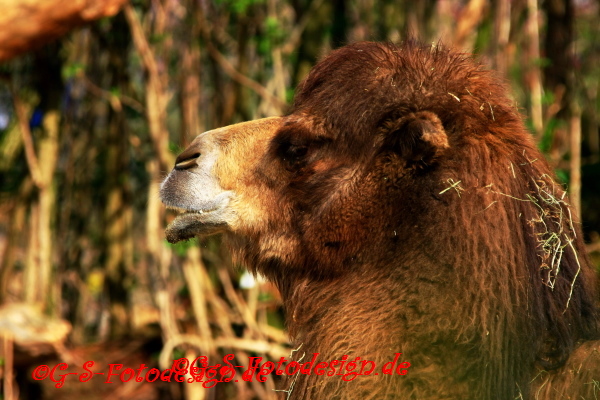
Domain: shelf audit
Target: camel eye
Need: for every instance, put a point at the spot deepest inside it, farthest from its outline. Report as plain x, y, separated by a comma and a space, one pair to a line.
293, 156
295, 152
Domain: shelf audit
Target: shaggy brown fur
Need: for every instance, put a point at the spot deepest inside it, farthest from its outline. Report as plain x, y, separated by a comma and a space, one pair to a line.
402, 207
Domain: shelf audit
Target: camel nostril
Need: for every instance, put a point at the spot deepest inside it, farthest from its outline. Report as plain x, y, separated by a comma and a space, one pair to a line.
186, 160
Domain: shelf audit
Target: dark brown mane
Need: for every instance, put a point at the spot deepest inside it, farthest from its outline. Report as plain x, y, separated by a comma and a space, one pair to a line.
527, 270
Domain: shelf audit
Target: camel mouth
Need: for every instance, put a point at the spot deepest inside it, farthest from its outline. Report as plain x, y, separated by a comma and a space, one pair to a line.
183, 211
201, 221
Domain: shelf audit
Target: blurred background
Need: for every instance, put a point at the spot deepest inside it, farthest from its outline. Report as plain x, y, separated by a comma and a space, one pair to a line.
98, 97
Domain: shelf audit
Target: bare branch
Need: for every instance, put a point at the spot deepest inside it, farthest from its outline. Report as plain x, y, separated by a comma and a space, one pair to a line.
156, 92
114, 100
30, 156
295, 36
243, 79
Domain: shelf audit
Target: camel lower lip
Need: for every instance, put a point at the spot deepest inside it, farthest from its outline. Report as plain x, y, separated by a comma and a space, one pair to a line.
194, 223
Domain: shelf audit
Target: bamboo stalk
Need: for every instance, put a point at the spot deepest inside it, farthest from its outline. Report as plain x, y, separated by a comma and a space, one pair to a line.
502, 35
189, 95
575, 163
466, 25
39, 265
535, 78
192, 269
278, 69
10, 392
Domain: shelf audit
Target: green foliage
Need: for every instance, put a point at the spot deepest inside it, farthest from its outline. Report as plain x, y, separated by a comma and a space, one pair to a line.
273, 35
239, 6
72, 70
276, 320
562, 175
159, 38
548, 98
289, 95
542, 62
181, 248
484, 36
548, 135
178, 353
174, 148
104, 24
265, 296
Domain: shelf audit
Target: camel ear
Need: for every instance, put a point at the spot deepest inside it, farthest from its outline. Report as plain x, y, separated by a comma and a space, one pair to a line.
418, 137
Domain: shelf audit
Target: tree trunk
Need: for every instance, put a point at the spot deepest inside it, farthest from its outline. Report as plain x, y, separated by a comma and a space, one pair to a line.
46, 20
